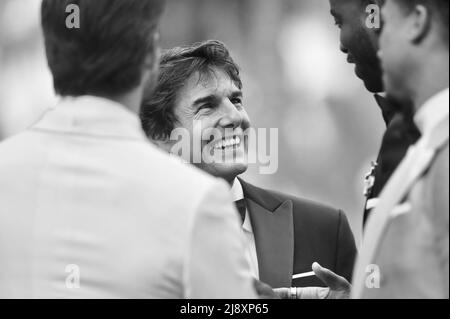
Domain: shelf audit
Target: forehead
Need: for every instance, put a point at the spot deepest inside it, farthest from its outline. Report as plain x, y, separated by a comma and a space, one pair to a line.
216, 82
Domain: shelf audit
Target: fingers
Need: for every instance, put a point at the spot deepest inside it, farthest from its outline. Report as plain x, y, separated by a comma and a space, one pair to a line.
329, 278
312, 293
282, 293
264, 291
303, 293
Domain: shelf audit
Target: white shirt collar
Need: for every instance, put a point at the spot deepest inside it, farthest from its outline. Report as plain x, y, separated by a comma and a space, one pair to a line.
237, 193
236, 190
432, 112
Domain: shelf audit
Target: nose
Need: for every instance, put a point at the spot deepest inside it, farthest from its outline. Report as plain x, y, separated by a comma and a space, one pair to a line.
231, 117
343, 49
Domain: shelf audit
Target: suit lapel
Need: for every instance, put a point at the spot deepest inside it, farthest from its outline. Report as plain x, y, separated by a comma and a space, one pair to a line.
274, 238
416, 162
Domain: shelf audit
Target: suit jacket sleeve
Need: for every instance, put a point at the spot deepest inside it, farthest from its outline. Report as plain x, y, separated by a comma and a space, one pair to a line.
346, 248
216, 266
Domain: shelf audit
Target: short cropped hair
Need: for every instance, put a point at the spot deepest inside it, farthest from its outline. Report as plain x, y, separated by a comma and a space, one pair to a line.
438, 8
106, 55
176, 67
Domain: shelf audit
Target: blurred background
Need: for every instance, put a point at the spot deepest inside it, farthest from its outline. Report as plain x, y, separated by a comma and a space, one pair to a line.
295, 79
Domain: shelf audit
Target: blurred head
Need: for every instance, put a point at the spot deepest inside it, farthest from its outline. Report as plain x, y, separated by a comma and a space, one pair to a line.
199, 87
111, 53
414, 36
358, 41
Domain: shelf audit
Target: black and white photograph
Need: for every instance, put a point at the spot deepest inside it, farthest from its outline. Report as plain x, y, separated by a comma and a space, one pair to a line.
230, 155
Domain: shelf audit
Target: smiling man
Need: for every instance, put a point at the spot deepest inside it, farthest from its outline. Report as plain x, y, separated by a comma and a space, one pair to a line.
199, 92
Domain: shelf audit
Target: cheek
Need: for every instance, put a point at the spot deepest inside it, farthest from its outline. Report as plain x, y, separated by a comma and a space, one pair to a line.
245, 120
389, 48
393, 61
345, 36
208, 130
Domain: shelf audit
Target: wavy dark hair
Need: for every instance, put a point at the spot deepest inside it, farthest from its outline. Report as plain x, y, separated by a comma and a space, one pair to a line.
176, 67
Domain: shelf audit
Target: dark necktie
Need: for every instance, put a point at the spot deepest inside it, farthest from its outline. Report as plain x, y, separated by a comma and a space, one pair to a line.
241, 207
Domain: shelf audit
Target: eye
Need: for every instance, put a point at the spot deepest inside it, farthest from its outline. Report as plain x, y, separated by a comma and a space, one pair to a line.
236, 100
205, 107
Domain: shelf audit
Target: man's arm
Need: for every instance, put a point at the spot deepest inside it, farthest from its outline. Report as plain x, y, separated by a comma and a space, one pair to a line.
216, 266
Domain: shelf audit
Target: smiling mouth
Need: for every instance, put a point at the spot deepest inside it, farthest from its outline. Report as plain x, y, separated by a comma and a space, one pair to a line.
227, 143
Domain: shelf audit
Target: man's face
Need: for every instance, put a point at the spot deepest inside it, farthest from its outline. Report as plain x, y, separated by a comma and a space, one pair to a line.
214, 103
395, 51
358, 41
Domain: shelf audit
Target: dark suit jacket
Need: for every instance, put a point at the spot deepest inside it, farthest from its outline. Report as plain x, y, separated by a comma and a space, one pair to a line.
292, 233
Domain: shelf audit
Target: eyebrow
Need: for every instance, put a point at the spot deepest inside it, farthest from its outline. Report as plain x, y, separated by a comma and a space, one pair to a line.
214, 98
206, 99
236, 94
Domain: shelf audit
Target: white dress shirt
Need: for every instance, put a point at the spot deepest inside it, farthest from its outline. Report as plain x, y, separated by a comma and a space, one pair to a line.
250, 245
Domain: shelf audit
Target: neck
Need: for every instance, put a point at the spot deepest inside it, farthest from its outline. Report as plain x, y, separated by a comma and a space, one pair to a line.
131, 100
432, 78
230, 180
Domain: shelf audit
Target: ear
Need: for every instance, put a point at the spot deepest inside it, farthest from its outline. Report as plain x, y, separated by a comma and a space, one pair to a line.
419, 23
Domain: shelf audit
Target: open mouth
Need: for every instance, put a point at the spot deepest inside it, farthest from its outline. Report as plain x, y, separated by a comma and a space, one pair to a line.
227, 143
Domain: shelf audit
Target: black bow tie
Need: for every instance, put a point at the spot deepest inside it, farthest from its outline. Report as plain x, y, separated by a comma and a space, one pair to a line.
241, 207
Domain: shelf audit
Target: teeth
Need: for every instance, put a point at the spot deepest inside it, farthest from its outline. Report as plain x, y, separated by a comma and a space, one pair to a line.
228, 143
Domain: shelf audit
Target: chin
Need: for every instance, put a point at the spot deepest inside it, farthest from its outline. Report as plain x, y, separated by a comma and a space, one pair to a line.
226, 171
373, 87
372, 79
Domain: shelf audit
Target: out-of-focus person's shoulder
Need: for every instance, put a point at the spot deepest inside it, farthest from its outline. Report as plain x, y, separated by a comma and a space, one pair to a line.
12, 148
153, 160
183, 187
15, 141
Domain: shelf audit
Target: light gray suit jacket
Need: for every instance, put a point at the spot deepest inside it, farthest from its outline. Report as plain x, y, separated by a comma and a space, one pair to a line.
90, 209
406, 244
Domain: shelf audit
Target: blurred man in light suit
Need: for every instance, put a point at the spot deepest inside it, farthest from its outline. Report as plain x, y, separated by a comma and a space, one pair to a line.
406, 242
285, 235
88, 207
406, 245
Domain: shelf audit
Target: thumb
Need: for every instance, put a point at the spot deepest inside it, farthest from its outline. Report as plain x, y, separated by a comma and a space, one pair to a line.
329, 278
